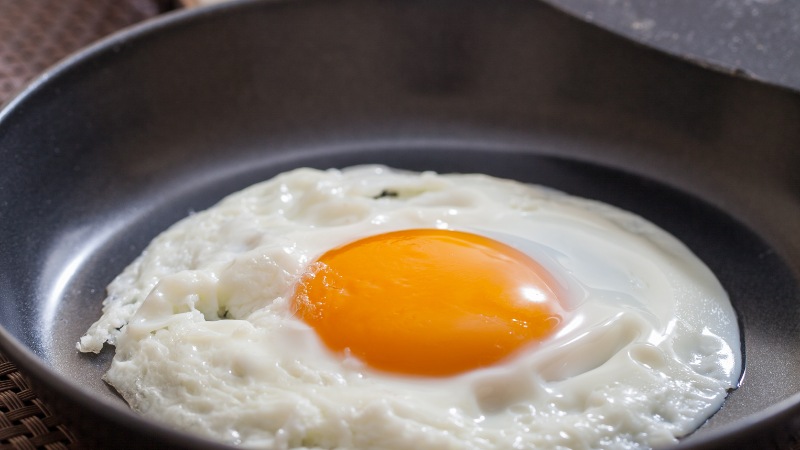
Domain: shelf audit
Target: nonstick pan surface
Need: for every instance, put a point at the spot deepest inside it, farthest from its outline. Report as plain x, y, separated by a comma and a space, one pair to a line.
119, 142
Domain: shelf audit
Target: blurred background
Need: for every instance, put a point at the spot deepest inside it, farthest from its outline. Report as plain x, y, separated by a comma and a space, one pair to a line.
758, 39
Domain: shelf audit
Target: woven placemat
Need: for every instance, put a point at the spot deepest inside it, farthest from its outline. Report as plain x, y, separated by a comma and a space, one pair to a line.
25, 421
34, 34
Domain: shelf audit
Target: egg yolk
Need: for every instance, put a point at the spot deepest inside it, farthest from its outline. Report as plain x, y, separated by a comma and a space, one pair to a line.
427, 302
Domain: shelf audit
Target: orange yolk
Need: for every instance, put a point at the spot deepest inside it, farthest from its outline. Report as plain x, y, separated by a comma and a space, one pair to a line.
427, 301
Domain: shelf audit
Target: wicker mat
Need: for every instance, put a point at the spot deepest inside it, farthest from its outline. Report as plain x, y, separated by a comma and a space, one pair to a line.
34, 34
25, 421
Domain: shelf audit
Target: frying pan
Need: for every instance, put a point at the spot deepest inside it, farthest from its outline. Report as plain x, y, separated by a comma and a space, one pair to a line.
118, 142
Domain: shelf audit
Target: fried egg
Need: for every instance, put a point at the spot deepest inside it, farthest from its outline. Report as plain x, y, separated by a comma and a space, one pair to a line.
375, 308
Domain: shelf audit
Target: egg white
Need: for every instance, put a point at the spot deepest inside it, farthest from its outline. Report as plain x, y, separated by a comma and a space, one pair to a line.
206, 340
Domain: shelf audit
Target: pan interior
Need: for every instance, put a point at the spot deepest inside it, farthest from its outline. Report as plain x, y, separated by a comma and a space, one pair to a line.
84, 255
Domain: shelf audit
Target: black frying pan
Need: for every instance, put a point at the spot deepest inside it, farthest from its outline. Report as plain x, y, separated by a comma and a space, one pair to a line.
119, 142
